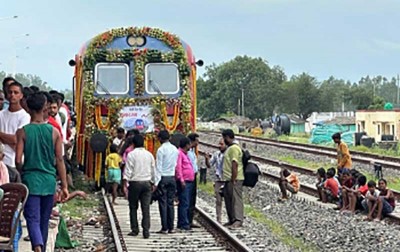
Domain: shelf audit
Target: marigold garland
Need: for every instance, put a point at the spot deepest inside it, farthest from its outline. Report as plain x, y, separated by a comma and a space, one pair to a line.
175, 119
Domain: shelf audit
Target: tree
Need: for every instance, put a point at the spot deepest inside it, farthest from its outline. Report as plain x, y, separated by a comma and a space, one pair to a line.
221, 88
301, 96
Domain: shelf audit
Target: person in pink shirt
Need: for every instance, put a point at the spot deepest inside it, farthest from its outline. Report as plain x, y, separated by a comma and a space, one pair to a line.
184, 174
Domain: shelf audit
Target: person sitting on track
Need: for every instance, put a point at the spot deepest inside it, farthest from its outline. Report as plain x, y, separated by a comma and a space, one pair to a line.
357, 194
288, 182
321, 177
330, 192
347, 185
369, 203
386, 200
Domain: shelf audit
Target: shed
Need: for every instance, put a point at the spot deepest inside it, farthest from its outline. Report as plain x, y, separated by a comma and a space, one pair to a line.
348, 123
297, 125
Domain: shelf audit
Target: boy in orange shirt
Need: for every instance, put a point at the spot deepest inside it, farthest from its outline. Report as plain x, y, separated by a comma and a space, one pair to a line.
288, 182
343, 155
331, 187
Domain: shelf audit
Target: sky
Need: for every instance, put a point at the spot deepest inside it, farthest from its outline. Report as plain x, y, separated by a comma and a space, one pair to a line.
346, 39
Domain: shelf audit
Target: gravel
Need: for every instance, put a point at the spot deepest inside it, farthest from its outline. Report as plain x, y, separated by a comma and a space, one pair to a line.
92, 231
325, 228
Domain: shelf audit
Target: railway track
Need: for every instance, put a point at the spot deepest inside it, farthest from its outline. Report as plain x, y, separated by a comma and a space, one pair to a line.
357, 156
211, 236
308, 189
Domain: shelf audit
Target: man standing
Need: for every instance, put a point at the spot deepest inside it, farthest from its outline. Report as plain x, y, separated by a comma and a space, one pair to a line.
233, 177
139, 172
343, 155
217, 161
12, 119
167, 156
194, 141
6, 83
41, 146
2, 100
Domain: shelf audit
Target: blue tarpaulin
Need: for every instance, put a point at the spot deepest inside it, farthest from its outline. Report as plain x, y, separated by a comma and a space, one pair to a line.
322, 134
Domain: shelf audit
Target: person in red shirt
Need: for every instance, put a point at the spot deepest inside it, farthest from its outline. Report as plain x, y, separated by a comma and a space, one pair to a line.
47, 113
331, 187
357, 194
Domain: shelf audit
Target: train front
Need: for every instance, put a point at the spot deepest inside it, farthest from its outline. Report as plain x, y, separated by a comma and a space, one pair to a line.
134, 78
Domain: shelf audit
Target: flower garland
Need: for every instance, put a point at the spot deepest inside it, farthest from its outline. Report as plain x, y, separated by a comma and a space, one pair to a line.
175, 119
99, 120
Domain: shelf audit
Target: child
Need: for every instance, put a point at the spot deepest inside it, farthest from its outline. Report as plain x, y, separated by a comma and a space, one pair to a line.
330, 192
290, 182
369, 203
357, 194
321, 177
386, 201
113, 162
347, 185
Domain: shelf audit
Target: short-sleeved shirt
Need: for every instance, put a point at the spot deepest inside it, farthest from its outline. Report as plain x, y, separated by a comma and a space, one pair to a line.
113, 160
294, 181
343, 155
233, 153
363, 189
333, 186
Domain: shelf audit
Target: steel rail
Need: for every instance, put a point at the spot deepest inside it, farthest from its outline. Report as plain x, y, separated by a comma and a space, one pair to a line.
357, 156
221, 232
117, 235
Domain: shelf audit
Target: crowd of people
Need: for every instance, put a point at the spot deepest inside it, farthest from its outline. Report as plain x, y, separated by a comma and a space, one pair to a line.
346, 187
171, 178
35, 136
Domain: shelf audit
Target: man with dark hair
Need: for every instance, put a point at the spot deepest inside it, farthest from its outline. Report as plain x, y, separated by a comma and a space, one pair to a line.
233, 176
288, 182
120, 136
38, 168
167, 157
34, 88
26, 92
194, 141
12, 119
343, 155
6, 82
139, 172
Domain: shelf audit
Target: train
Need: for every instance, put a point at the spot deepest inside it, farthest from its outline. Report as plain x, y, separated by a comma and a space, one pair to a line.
140, 78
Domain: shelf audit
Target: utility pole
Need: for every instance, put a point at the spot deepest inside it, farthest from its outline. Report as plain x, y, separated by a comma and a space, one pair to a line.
398, 91
243, 102
238, 107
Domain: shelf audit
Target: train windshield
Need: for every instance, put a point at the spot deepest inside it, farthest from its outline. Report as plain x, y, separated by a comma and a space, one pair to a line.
162, 78
112, 78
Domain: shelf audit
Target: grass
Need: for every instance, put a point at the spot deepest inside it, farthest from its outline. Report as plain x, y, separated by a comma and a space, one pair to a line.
77, 208
376, 150
301, 162
275, 227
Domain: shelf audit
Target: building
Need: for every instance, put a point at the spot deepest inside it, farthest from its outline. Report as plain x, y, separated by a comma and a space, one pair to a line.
348, 123
318, 118
378, 122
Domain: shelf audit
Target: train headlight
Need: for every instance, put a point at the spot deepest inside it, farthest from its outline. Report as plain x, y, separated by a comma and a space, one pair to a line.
136, 41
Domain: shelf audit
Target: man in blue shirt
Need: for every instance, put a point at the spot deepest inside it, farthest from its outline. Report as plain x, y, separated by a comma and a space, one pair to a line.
167, 156
217, 161
194, 141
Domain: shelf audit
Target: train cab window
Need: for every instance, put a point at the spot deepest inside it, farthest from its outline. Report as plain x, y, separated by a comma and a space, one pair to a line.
162, 78
112, 78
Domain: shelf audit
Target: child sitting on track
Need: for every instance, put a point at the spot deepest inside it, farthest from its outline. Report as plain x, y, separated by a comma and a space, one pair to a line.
386, 201
347, 185
321, 177
288, 182
330, 192
356, 195
369, 203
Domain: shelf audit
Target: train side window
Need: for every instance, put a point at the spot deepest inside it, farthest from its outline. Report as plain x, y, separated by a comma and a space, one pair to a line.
112, 78
162, 78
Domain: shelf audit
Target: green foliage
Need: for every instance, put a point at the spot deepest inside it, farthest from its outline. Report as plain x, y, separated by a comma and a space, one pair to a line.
267, 91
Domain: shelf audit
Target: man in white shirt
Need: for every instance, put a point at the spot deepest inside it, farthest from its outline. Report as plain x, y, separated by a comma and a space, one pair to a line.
120, 136
12, 119
139, 172
167, 157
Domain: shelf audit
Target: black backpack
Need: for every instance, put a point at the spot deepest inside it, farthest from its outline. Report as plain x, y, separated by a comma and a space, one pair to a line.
251, 170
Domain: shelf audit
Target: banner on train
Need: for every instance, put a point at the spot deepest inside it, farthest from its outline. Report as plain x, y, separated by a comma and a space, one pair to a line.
137, 117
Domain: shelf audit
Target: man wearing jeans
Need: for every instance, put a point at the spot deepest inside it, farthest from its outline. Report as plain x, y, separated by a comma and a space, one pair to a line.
139, 172
233, 177
167, 156
194, 141
217, 161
